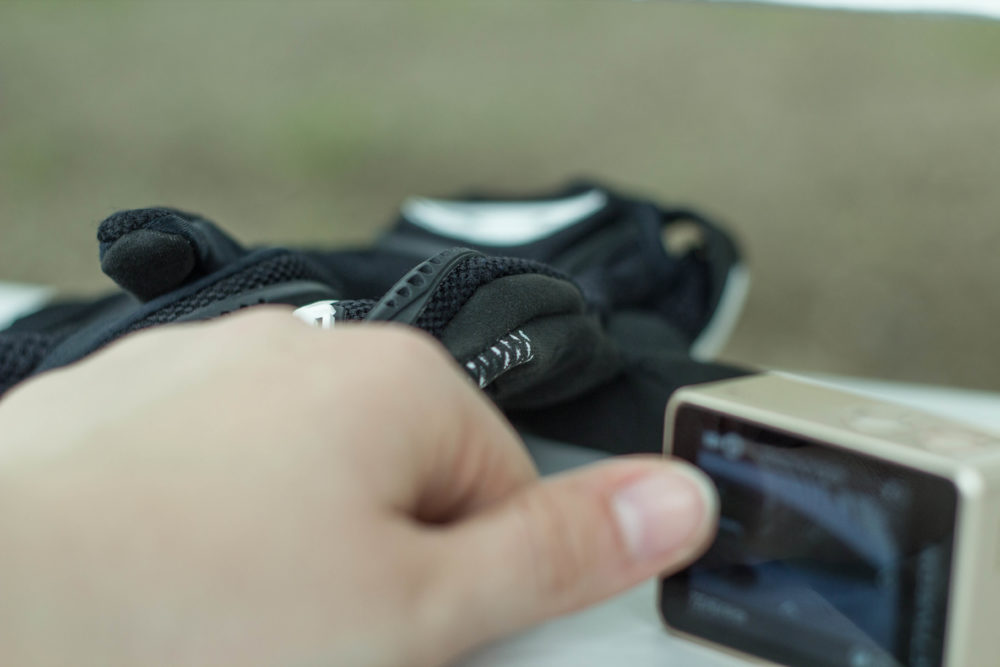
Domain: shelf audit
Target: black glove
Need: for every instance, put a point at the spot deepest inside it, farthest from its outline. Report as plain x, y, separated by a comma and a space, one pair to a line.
591, 364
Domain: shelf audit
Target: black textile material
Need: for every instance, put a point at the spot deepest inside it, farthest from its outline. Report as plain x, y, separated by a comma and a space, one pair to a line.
356, 309
606, 351
626, 414
149, 263
364, 274
21, 352
615, 255
120, 223
684, 305
26, 342
281, 268
66, 316
642, 333
406, 238
255, 270
572, 354
589, 385
152, 251
465, 279
505, 353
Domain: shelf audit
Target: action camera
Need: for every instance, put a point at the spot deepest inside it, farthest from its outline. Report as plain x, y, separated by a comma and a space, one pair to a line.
853, 531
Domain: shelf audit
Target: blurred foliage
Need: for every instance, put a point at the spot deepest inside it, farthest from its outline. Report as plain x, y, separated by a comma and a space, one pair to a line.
856, 155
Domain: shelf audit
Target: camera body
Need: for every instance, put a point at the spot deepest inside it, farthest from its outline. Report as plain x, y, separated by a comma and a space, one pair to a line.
853, 531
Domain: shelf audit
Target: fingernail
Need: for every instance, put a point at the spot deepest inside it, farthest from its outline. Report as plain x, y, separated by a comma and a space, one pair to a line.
663, 512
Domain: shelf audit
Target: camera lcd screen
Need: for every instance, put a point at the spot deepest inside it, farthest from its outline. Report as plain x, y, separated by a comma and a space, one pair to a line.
824, 556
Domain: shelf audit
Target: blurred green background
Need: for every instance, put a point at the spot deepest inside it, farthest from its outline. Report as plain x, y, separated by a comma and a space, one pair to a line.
856, 156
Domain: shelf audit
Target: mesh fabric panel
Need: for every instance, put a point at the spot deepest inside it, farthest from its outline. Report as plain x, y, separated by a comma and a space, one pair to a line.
280, 269
21, 352
465, 279
356, 309
121, 223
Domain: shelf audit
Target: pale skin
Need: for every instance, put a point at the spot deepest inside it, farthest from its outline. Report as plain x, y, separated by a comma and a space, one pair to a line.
252, 491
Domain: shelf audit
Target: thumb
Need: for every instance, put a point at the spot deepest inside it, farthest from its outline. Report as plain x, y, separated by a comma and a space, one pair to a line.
569, 541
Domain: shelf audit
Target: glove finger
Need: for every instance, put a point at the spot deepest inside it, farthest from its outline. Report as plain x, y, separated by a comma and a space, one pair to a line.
152, 251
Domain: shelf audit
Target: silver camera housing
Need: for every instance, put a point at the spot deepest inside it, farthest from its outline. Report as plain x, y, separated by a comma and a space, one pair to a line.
843, 427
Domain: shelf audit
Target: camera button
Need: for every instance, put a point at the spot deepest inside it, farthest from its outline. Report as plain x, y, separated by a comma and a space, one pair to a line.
948, 440
876, 424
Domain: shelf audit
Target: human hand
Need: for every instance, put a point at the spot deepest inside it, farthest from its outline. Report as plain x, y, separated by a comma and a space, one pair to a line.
252, 491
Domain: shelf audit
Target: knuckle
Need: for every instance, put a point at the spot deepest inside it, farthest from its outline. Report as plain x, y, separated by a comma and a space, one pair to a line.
408, 349
241, 331
262, 319
414, 341
261, 338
